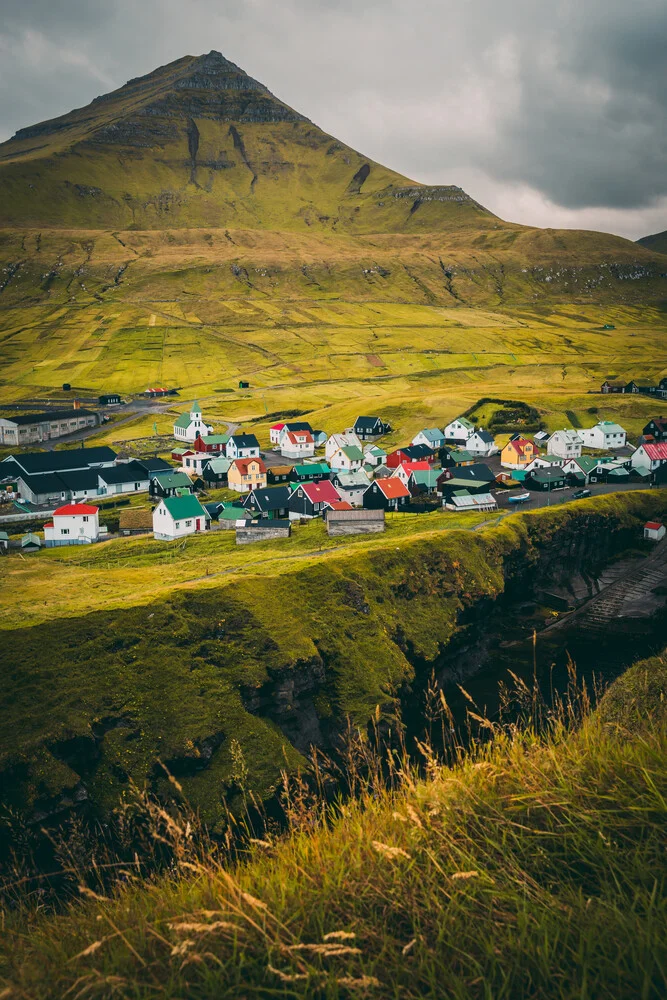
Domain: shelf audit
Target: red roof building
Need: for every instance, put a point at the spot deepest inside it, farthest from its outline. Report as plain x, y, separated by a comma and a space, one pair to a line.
322, 492
71, 509
657, 451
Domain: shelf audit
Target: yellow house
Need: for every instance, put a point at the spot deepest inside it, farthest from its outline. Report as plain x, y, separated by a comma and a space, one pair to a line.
246, 474
518, 453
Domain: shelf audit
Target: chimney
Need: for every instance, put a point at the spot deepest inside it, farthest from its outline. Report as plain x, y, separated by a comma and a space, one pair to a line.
76, 405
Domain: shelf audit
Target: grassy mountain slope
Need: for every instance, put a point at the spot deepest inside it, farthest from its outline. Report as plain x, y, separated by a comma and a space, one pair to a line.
200, 143
173, 654
534, 868
657, 242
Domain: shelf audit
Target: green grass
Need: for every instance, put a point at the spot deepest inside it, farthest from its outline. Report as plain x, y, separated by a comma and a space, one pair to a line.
535, 867
149, 658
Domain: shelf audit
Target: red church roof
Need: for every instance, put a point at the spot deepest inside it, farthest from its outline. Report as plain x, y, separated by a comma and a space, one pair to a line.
75, 508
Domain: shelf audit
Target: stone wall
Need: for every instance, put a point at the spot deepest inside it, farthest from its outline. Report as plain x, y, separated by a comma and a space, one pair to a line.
355, 522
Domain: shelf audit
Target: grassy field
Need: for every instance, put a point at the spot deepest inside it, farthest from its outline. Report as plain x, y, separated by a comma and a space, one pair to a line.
535, 867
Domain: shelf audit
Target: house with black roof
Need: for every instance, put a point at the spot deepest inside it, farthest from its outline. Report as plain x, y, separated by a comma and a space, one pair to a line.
369, 428
242, 446
36, 463
110, 399
31, 428
126, 477
271, 502
152, 465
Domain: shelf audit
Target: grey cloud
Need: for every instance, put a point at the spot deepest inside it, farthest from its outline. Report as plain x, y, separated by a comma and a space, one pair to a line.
545, 108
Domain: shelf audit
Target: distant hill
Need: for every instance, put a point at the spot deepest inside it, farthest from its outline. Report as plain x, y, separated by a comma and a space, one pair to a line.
657, 242
201, 143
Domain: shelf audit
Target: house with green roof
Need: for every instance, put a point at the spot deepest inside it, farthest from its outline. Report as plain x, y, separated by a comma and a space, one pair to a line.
432, 437
310, 472
423, 481
178, 516
165, 484
349, 458
374, 455
459, 431
190, 426
606, 434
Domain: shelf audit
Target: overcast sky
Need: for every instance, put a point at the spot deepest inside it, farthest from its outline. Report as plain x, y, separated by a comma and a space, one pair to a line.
553, 114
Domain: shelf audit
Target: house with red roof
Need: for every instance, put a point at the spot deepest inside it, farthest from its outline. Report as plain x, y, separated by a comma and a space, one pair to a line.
650, 456
73, 524
386, 494
312, 499
654, 531
275, 430
519, 452
297, 444
246, 474
405, 470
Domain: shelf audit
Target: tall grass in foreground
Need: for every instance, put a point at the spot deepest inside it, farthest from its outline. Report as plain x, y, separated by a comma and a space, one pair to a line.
532, 866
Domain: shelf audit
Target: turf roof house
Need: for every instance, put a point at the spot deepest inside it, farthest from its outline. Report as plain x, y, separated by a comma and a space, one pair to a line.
276, 475
386, 494
73, 524
177, 516
518, 453
369, 428
246, 474
459, 431
310, 500
605, 435
297, 444
271, 502
565, 444
431, 437
242, 446
190, 426
656, 429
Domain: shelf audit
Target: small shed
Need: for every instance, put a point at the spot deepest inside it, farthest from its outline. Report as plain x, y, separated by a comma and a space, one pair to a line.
4, 543
244, 385
654, 531
136, 521
31, 542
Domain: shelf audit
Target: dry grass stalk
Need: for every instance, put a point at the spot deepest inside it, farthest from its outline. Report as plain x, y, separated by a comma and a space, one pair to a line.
390, 852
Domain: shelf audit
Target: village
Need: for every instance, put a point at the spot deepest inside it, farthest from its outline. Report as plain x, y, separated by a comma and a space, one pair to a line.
229, 481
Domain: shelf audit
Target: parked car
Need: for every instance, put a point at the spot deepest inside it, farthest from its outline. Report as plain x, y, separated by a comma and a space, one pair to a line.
520, 498
580, 494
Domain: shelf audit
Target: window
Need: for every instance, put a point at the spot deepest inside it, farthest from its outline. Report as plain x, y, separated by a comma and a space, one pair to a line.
177, 524
85, 517
64, 531
188, 524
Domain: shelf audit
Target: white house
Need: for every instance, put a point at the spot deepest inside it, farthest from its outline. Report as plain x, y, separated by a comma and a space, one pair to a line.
242, 446
459, 431
296, 444
190, 426
347, 459
538, 463
564, 444
337, 441
654, 531
431, 437
177, 516
73, 524
374, 455
606, 434
482, 443
192, 464
650, 456
274, 433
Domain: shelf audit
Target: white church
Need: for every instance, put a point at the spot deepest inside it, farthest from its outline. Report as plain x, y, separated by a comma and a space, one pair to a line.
190, 426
